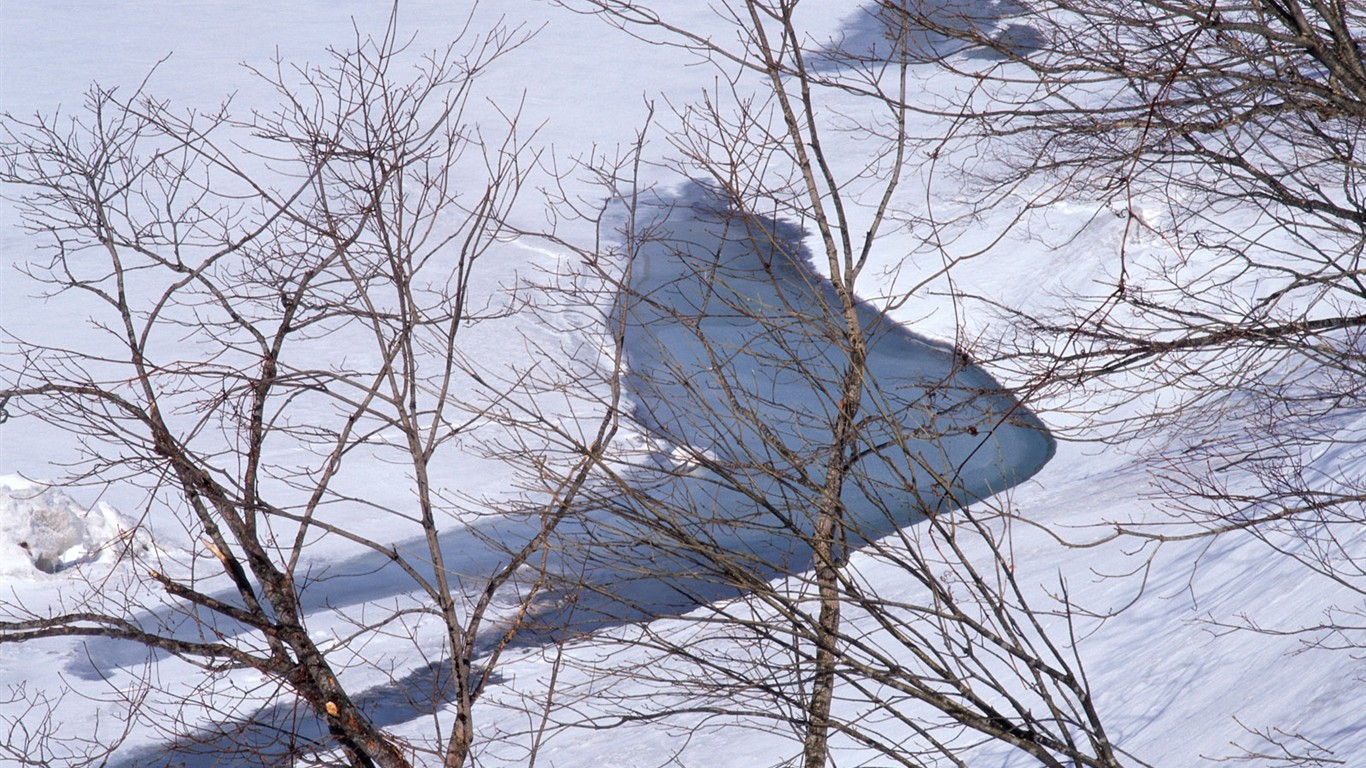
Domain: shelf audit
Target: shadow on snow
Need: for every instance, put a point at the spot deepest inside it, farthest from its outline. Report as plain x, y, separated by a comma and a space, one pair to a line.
734, 350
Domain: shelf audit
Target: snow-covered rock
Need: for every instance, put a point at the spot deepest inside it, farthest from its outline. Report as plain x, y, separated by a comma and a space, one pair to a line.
44, 529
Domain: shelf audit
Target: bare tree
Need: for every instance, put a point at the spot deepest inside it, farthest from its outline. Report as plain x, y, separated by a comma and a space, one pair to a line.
788, 423
1227, 139
279, 303
284, 300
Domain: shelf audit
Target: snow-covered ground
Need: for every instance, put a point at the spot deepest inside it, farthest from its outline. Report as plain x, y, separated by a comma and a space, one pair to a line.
1175, 686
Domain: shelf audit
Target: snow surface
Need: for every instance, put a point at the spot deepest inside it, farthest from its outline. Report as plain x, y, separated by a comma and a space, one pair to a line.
1176, 687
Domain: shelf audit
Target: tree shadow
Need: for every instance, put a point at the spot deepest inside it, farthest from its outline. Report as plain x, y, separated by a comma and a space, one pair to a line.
933, 30
733, 369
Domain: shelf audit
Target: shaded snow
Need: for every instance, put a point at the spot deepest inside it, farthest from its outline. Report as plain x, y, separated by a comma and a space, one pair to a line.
723, 305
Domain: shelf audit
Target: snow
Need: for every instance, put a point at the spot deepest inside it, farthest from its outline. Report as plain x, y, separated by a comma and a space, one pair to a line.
1176, 684
44, 529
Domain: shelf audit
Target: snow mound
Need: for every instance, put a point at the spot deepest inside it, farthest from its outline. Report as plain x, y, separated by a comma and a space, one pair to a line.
44, 529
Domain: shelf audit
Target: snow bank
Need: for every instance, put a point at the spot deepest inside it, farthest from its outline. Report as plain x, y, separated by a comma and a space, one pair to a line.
43, 529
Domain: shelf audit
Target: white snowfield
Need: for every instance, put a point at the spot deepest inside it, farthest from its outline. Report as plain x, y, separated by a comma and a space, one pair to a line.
1175, 685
